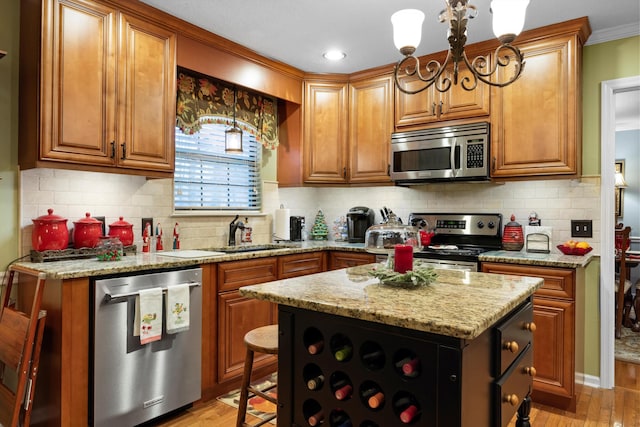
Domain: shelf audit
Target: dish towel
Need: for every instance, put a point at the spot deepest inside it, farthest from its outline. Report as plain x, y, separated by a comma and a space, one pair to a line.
177, 308
148, 317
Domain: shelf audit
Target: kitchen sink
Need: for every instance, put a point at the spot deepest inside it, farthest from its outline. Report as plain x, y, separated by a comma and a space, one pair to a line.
249, 248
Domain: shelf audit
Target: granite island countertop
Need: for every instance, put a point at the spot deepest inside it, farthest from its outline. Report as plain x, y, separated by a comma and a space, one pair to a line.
458, 304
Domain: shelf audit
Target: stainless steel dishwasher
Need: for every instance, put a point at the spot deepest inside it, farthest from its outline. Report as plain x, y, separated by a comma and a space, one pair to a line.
134, 383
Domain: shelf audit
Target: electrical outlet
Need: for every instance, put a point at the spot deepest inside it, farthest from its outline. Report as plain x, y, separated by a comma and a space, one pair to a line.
102, 220
581, 228
146, 221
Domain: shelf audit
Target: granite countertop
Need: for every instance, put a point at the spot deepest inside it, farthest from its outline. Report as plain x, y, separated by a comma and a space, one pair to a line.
90, 267
548, 260
458, 304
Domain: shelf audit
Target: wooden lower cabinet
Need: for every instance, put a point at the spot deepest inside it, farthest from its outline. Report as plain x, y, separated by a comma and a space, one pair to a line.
301, 264
238, 315
344, 259
554, 308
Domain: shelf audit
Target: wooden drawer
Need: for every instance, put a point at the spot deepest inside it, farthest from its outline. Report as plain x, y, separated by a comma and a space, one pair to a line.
512, 337
513, 387
558, 282
234, 274
301, 264
344, 259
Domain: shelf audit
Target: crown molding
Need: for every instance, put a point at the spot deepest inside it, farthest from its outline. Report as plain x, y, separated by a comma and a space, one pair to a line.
613, 33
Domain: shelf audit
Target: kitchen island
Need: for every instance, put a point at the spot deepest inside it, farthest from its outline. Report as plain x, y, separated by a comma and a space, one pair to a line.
454, 353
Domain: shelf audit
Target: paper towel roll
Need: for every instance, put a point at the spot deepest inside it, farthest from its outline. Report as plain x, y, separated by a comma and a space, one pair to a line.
281, 224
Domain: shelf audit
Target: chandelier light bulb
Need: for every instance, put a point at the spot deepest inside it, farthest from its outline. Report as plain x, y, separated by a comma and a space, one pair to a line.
508, 18
407, 29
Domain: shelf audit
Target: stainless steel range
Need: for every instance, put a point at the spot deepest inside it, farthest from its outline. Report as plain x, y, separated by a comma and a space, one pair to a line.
459, 238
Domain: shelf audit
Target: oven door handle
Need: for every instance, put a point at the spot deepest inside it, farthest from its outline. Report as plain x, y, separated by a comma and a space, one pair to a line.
109, 298
452, 158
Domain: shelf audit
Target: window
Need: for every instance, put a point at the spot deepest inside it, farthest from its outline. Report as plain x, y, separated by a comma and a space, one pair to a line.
207, 178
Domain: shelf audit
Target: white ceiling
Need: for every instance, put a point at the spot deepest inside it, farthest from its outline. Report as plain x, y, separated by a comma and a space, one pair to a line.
298, 32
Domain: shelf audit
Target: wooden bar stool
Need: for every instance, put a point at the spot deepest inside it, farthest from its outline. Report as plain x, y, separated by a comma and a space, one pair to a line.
261, 340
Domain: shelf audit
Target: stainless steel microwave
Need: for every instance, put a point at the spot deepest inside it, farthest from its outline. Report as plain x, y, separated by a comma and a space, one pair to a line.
442, 154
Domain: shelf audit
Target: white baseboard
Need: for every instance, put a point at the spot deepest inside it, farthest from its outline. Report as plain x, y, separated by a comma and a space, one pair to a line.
588, 380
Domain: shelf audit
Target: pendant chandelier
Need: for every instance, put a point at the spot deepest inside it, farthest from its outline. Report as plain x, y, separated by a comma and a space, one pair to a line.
233, 135
508, 21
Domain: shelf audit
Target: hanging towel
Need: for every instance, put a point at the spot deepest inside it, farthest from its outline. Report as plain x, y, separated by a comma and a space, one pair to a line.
177, 308
148, 318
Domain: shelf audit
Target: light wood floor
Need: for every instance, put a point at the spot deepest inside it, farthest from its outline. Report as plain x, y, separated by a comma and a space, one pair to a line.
619, 407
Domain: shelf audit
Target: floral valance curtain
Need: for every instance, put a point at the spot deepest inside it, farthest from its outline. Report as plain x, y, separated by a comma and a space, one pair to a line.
203, 99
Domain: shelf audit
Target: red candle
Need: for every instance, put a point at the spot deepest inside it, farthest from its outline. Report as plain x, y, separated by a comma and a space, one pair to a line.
403, 258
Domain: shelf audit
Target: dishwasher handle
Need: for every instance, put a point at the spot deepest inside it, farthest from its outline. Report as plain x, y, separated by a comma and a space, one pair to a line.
108, 298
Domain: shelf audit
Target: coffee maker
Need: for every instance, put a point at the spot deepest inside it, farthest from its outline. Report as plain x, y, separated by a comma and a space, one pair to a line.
359, 219
296, 225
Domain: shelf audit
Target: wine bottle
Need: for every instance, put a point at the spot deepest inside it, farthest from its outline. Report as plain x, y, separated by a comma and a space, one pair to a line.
316, 382
409, 414
407, 409
315, 347
376, 400
343, 392
343, 353
316, 419
341, 420
411, 367
373, 359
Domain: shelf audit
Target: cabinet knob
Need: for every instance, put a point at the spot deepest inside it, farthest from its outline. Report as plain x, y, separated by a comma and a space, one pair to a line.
433, 109
530, 327
530, 370
512, 399
512, 346
113, 149
124, 151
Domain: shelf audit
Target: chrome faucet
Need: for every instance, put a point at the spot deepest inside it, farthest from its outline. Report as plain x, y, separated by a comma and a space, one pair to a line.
233, 227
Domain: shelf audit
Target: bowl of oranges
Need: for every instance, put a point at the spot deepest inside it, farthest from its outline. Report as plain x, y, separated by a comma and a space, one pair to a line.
572, 247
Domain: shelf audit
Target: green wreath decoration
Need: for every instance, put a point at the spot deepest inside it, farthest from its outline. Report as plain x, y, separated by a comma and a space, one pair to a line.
420, 276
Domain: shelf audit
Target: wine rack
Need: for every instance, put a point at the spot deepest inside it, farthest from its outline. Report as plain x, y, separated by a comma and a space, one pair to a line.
356, 373
336, 371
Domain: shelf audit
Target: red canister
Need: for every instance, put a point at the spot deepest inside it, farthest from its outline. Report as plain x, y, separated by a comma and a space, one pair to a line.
87, 232
513, 238
123, 231
49, 232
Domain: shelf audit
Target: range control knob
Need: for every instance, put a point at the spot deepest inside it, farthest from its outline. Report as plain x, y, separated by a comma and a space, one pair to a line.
492, 224
480, 224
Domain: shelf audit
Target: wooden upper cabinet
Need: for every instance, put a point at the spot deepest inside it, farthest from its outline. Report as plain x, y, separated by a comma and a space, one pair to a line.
147, 92
325, 132
347, 131
370, 127
431, 106
107, 90
536, 122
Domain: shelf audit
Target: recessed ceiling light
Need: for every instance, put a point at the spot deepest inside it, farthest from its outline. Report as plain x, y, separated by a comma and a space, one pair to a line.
334, 55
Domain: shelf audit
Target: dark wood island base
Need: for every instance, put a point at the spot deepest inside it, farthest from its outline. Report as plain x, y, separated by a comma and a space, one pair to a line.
345, 371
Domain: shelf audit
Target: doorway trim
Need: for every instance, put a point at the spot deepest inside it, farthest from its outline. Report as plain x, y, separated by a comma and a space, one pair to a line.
607, 162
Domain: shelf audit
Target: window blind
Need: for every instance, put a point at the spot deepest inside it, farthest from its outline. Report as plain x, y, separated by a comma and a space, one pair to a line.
208, 178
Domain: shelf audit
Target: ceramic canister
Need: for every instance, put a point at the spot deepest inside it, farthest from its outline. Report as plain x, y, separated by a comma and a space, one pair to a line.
123, 230
513, 238
87, 232
49, 232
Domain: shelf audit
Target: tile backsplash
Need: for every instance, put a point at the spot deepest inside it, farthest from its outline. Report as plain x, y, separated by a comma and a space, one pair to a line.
73, 193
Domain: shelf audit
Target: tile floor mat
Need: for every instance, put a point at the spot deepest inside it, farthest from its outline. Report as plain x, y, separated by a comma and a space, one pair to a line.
627, 348
257, 406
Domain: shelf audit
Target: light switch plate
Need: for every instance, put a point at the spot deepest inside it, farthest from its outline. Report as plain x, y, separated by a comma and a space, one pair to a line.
581, 228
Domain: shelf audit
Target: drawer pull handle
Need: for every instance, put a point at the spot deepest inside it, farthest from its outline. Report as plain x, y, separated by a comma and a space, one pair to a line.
512, 346
530, 370
530, 327
512, 399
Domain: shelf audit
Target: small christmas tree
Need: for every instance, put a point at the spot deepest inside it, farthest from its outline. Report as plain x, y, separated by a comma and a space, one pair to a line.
319, 231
